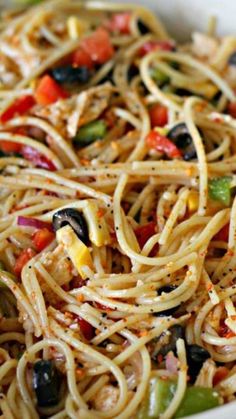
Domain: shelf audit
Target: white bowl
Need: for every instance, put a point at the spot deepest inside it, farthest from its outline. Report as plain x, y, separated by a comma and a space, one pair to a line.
182, 17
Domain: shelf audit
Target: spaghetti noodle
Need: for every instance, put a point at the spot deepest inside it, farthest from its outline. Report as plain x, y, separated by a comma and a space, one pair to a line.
117, 215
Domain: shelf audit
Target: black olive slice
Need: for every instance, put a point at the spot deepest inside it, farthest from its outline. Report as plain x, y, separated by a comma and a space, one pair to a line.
170, 311
71, 75
75, 219
143, 28
46, 383
180, 136
176, 332
232, 59
196, 356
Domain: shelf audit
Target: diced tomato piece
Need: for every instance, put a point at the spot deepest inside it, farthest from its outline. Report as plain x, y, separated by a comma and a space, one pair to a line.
220, 375
120, 22
42, 238
10, 147
144, 232
223, 234
48, 91
158, 115
86, 328
232, 109
225, 331
158, 142
21, 261
80, 58
37, 158
156, 45
98, 46
102, 307
19, 107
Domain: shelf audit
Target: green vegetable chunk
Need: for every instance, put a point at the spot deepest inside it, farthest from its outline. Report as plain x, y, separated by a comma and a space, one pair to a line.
196, 400
90, 132
219, 189
159, 77
159, 396
161, 392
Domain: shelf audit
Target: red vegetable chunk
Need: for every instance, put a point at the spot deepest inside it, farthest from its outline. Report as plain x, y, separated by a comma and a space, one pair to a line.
98, 46
144, 232
48, 91
86, 328
42, 238
120, 22
21, 261
19, 107
160, 143
158, 115
37, 158
150, 46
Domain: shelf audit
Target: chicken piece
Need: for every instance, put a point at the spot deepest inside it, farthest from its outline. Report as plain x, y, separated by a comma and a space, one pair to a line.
204, 46
58, 265
69, 114
106, 398
8, 77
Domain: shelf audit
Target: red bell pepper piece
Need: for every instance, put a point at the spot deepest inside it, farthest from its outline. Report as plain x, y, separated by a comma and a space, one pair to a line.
48, 91
19, 107
144, 232
10, 147
220, 375
158, 115
160, 143
86, 328
21, 261
232, 109
98, 46
223, 234
37, 158
155, 45
120, 22
42, 238
80, 58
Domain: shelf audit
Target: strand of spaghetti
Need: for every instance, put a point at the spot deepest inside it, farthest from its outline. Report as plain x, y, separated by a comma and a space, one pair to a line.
47, 128
140, 342
20, 183
202, 164
32, 287
130, 409
5, 408
181, 383
50, 281
232, 226
8, 336
215, 223
23, 300
70, 371
22, 139
189, 61
71, 184
175, 212
108, 364
11, 397
152, 86
7, 366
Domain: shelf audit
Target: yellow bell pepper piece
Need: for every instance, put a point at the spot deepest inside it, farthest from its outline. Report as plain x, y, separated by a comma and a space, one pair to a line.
193, 200
75, 27
77, 251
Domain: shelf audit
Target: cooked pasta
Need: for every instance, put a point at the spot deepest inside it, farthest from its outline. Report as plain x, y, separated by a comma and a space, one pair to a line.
117, 215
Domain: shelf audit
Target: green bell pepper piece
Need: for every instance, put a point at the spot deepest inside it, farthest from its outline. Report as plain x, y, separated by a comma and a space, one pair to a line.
219, 189
161, 392
196, 400
159, 77
90, 132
